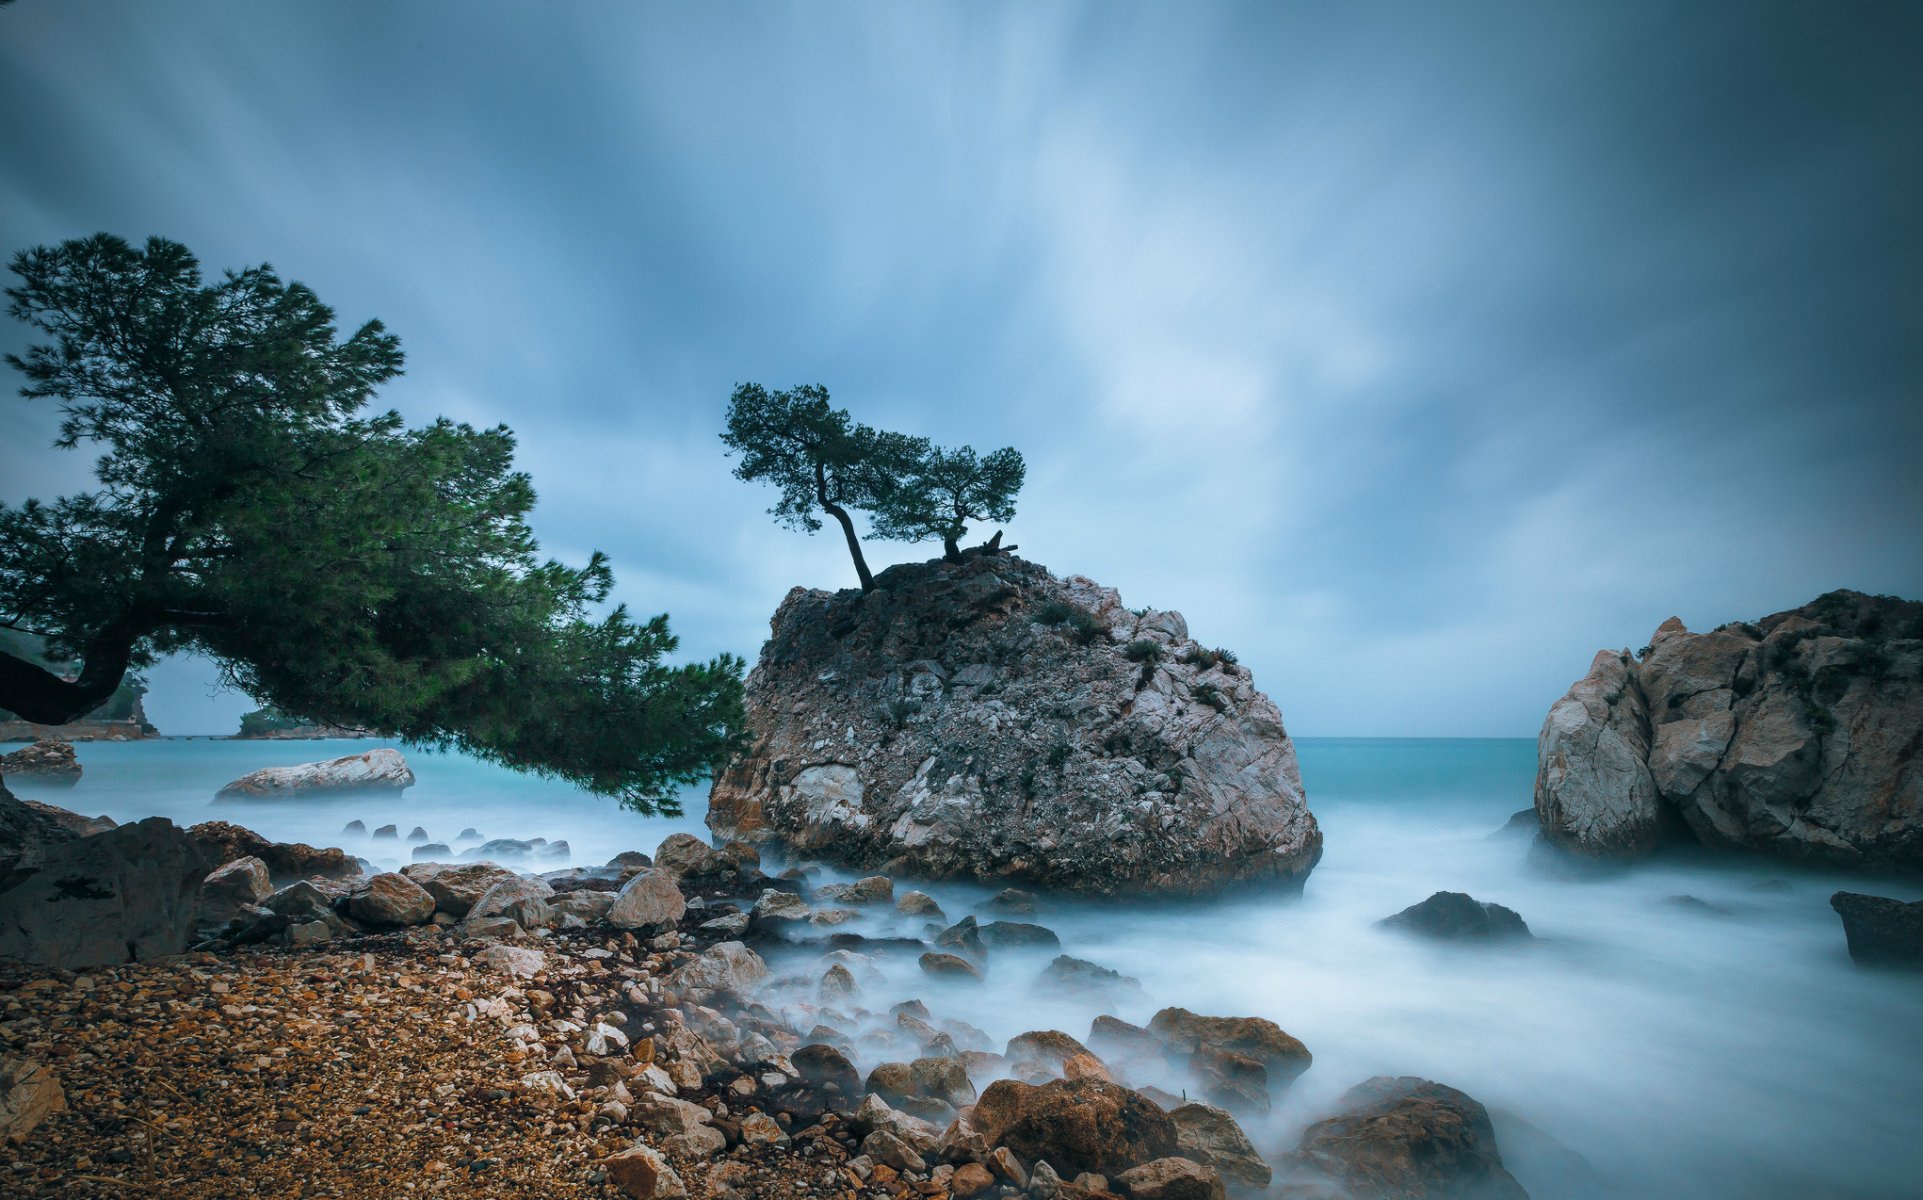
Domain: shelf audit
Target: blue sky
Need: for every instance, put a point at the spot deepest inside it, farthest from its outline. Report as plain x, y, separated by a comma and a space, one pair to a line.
1413, 351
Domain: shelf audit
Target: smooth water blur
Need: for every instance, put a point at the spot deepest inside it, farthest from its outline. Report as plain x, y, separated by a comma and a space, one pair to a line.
1682, 1052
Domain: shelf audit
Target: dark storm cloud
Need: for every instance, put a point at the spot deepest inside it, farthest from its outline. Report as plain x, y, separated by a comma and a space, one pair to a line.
1414, 351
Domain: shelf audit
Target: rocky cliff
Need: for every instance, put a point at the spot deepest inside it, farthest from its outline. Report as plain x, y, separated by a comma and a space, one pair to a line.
1797, 735
984, 719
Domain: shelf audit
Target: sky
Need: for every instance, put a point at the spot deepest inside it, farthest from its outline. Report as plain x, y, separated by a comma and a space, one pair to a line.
1413, 351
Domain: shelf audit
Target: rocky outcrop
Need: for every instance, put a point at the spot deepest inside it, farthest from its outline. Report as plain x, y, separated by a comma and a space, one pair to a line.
129, 893
224, 841
987, 720
381, 770
43, 762
1405, 1139
1881, 932
1797, 735
28, 831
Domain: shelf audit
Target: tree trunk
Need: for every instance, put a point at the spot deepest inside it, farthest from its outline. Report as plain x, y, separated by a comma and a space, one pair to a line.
951, 548
36, 694
854, 544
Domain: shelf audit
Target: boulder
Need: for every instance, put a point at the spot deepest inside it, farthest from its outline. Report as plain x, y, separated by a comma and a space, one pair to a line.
457, 887
1407, 1138
518, 898
875, 889
1210, 1136
950, 966
1881, 932
650, 900
1046, 1048
918, 904
1259, 1038
725, 967
44, 762
901, 729
1457, 917
224, 841
997, 935
389, 900
1793, 736
29, 830
1171, 1179
29, 1094
641, 1174
688, 857
1074, 1125
1079, 979
231, 888
127, 894
432, 852
381, 770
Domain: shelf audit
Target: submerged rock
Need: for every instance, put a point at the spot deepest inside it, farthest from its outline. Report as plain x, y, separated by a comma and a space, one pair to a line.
43, 762
1881, 932
1406, 1139
1459, 917
988, 720
380, 770
1794, 735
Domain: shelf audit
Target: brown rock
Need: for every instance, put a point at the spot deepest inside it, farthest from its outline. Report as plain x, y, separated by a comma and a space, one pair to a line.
641, 1174
1210, 1136
456, 887
1075, 1125
1407, 1138
970, 1179
29, 1094
224, 841
390, 900
1171, 1179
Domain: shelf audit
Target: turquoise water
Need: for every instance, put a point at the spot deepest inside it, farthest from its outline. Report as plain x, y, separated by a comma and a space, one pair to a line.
1682, 1053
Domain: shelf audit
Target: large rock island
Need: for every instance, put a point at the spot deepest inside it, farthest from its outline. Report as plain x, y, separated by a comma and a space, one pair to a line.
1796, 735
984, 719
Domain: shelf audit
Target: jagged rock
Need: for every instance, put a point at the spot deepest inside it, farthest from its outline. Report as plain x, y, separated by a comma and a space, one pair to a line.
963, 937
390, 900
456, 887
688, 857
904, 729
1458, 917
301, 902
725, 967
223, 841
875, 889
28, 831
650, 900
1074, 1125
1210, 1136
1794, 735
46, 762
1407, 1138
230, 888
518, 898
1881, 931
29, 1094
381, 770
127, 894
1171, 1179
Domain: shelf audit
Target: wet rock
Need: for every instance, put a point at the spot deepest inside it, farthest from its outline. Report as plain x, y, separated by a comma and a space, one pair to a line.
728, 928
44, 762
391, 900
950, 966
917, 904
127, 894
1210, 1136
1881, 932
1240, 1061
1075, 1125
999, 935
650, 900
300, 901
934, 670
1083, 980
726, 967
29, 1094
875, 889
416, 834
521, 900
1458, 917
963, 937
230, 888
1404, 1138
837, 986
1171, 1179
432, 852
382, 770
457, 887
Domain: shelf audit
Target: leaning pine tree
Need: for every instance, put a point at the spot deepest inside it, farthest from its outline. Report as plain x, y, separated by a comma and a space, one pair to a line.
335, 564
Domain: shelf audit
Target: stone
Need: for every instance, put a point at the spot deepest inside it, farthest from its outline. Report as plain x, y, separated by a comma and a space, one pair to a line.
875, 889
1049, 1048
383, 770
29, 1094
432, 852
1120, 1042
1074, 1125
1210, 1136
44, 762
1457, 917
917, 904
1079, 979
456, 887
686, 856
390, 900
416, 834
230, 888
950, 966
826, 1066
491, 929
1257, 1037
889, 1150
128, 894
520, 899
1171, 1179
702, 1142
300, 901
999, 935
963, 937
354, 829
940, 674
650, 900
520, 961
837, 986
1792, 736
642, 1174
941, 1078
760, 1129
493, 848
223, 842
1406, 1137
1013, 901
875, 1113
29, 830
724, 967
970, 1179
1881, 932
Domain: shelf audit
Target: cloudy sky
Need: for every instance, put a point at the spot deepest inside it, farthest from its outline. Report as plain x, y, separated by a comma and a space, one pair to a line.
1414, 351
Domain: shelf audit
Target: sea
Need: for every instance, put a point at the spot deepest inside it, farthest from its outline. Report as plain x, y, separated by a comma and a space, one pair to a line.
1642, 1045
